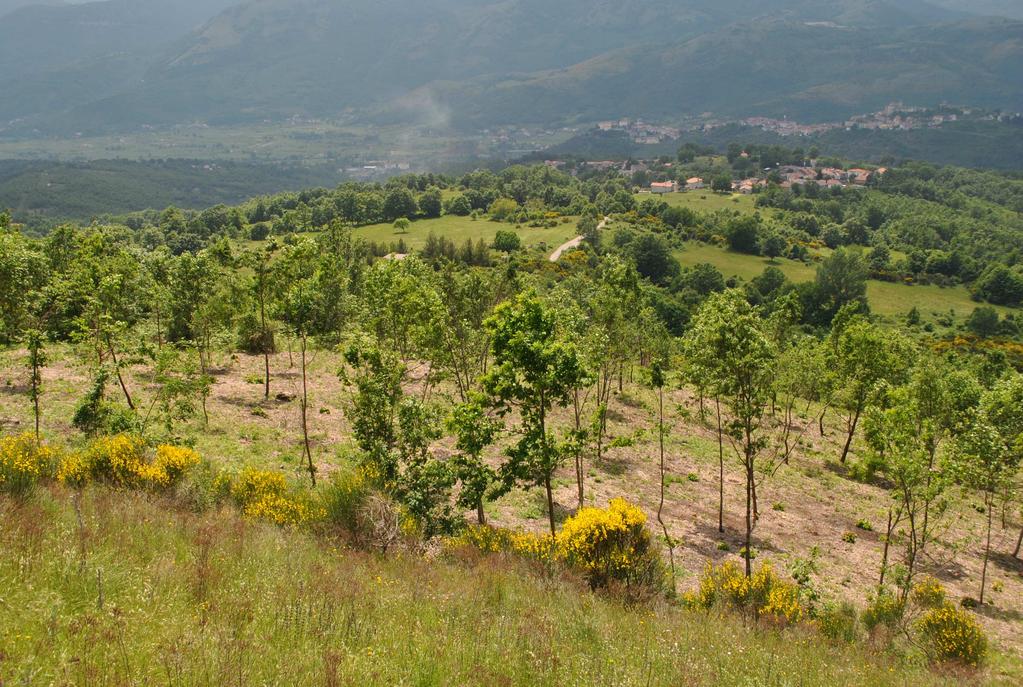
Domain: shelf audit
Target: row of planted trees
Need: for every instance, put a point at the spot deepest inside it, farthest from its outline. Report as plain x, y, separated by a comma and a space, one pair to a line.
529, 364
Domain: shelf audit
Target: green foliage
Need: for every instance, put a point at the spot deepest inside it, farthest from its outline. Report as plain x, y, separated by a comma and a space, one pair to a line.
507, 241
838, 622
534, 370
884, 611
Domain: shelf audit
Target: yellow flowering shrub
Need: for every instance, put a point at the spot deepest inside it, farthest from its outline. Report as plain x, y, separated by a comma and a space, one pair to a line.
253, 485
763, 594
74, 471
280, 510
122, 460
264, 495
929, 593
952, 634
175, 461
23, 462
539, 547
542, 548
610, 543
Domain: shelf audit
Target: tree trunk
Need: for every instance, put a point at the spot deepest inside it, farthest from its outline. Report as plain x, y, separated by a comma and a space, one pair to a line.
852, 433
305, 421
1019, 544
550, 503
481, 516
579, 467
120, 379
756, 508
660, 506
721, 471
747, 553
887, 543
820, 421
987, 547
266, 374
159, 331
35, 403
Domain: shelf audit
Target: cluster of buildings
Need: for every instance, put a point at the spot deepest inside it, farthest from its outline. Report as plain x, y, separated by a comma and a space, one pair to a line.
641, 132
826, 177
899, 117
377, 169
791, 175
691, 184
894, 117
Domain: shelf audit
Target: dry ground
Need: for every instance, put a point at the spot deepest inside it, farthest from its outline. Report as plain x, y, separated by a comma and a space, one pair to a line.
808, 505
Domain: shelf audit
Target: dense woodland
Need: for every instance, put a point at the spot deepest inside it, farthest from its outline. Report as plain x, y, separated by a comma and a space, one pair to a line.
518, 363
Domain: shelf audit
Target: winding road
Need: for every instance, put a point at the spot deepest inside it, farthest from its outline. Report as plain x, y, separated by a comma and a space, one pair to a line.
574, 243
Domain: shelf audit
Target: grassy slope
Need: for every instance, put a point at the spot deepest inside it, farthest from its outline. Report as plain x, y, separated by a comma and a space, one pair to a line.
459, 229
807, 505
886, 298
211, 599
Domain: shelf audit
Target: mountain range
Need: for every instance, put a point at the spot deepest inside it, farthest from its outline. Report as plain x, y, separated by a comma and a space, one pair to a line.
120, 65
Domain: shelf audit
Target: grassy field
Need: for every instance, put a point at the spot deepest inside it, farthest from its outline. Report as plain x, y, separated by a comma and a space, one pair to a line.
887, 299
460, 229
132, 591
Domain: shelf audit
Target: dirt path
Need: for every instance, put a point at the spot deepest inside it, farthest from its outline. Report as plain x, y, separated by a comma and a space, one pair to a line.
574, 243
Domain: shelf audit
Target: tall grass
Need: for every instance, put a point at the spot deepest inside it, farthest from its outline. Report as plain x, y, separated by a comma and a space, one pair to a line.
121, 588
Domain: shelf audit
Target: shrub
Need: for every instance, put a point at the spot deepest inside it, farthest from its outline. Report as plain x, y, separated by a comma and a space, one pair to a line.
884, 610
121, 460
539, 548
929, 593
264, 495
251, 485
611, 544
280, 510
344, 496
175, 461
205, 487
951, 634
849, 537
23, 463
763, 594
507, 241
838, 622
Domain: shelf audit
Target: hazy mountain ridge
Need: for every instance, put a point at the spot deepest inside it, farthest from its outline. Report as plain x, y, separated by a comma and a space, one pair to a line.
497, 61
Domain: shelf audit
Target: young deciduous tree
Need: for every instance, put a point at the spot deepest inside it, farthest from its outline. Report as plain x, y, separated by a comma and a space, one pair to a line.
474, 431
905, 432
534, 371
1003, 408
658, 378
985, 464
865, 356
262, 289
298, 310
741, 361
36, 362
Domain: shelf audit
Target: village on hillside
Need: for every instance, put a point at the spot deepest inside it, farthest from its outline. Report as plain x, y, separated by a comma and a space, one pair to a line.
643, 173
